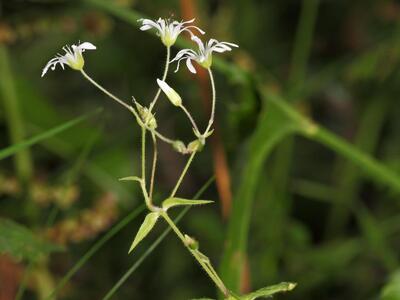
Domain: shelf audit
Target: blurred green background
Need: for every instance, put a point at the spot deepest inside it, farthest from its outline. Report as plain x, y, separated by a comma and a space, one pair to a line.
306, 156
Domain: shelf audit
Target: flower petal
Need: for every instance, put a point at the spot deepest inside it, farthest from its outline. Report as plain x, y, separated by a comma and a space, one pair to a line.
190, 65
87, 46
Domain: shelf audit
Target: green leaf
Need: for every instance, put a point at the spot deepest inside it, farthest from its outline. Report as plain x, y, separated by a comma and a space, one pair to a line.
391, 291
145, 228
21, 243
270, 290
131, 178
171, 202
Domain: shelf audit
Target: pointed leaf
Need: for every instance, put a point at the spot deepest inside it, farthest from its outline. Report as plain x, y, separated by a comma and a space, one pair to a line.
170, 202
131, 178
145, 228
270, 290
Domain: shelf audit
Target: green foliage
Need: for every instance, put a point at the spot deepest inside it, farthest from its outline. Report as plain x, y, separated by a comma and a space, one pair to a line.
270, 291
273, 128
172, 202
144, 229
21, 243
391, 291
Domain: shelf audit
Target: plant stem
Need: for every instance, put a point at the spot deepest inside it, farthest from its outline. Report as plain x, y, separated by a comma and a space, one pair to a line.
206, 266
153, 168
190, 118
144, 156
163, 79
211, 121
183, 174
128, 107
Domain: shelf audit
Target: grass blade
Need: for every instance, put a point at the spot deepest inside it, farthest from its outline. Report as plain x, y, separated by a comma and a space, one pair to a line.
13, 149
8, 93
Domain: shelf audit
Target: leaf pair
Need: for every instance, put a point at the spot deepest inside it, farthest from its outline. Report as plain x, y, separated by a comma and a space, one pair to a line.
151, 218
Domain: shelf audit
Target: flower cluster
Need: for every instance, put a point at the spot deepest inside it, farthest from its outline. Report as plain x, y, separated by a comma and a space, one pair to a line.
168, 31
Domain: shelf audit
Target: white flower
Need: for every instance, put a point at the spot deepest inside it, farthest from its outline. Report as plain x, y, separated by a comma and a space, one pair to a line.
204, 56
72, 57
168, 31
172, 95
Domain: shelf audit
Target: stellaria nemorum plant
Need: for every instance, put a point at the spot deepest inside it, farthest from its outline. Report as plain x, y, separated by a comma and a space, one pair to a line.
168, 31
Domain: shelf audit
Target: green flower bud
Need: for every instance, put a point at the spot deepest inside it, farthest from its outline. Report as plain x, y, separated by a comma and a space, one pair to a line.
172, 95
180, 147
146, 116
191, 242
195, 146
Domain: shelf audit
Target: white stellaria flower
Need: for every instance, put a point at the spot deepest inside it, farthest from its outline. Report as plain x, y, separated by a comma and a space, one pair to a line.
72, 57
167, 30
204, 55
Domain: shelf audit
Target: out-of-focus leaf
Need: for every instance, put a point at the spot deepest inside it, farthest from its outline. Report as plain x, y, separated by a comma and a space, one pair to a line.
171, 202
273, 127
391, 291
145, 228
21, 243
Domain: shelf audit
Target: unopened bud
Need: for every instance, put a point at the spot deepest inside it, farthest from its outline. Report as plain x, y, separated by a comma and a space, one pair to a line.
195, 146
191, 242
172, 95
179, 146
146, 116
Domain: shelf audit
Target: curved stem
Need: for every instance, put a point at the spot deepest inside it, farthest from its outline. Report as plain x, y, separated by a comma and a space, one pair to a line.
190, 118
211, 121
130, 108
115, 98
183, 174
161, 137
205, 265
163, 79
